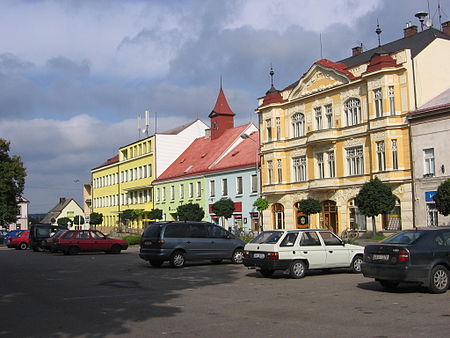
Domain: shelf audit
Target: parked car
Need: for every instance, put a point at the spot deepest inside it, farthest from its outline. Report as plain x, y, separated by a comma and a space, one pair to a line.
12, 234
51, 243
72, 242
178, 242
20, 242
296, 251
419, 256
41, 232
3, 234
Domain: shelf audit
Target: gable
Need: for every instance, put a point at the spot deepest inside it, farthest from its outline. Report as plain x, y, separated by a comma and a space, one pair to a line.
318, 79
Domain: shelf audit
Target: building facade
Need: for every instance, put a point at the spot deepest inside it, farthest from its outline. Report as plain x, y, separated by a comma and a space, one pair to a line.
430, 132
343, 123
22, 216
66, 207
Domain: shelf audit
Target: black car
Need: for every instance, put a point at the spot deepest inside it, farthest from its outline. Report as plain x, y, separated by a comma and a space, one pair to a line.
418, 256
41, 232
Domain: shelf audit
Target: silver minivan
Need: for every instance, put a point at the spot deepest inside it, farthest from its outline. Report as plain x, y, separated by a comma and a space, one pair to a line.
178, 242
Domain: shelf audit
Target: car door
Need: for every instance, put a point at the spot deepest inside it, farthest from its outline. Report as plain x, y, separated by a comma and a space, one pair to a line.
198, 244
312, 249
83, 240
221, 245
337, 255
99, 241
441, 246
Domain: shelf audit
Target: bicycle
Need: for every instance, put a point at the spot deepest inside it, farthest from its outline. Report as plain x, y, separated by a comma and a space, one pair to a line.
350, 235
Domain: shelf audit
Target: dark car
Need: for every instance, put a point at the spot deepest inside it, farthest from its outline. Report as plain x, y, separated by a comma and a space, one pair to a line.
20, 242
72, 242
41, 232
417, 256
178, 242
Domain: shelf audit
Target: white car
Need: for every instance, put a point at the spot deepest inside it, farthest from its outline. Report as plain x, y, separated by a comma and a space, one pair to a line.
296, 251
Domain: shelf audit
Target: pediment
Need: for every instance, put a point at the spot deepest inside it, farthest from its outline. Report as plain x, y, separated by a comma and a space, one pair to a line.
317, 79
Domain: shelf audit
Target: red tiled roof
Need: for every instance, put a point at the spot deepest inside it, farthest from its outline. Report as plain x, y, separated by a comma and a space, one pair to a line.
221, 107
338, 66
272, 97
109, 161
198, 157
378, 62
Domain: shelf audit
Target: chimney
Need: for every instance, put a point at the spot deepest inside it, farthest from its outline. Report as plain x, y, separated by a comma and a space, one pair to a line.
409, 30
446, 27
356, 50
62, 200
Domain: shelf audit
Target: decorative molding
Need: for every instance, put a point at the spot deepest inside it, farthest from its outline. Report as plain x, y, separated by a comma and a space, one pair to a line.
380, 136
353, 142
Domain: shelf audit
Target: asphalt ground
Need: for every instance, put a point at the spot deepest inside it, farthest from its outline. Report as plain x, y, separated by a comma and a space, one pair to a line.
100, 295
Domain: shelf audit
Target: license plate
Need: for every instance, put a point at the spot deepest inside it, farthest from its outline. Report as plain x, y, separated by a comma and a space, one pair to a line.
380, 257
258, 255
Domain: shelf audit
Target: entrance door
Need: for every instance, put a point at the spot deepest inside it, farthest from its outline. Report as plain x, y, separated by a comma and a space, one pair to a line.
329, 216
278, 215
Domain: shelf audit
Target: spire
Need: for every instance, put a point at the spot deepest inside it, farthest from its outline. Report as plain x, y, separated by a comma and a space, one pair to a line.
378, 31
221, 107
272, 88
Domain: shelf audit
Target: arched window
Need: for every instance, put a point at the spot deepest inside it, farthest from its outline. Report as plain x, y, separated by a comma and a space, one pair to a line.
278, 216
352, 109
298, 125
356, 218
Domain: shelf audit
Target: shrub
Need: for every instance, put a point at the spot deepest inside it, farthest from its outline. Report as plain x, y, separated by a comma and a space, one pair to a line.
132, 239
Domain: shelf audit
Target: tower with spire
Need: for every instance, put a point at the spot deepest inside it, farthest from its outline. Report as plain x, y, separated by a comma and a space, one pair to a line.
222, 117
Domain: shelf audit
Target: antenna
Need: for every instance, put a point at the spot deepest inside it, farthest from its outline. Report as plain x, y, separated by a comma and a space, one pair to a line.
139, 125
147, 121
320, 40
271, 73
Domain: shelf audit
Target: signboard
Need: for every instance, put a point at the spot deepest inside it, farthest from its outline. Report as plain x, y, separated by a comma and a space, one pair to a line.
429, 196
302, 220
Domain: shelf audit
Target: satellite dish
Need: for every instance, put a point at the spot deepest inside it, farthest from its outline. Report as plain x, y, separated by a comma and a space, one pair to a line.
429, 23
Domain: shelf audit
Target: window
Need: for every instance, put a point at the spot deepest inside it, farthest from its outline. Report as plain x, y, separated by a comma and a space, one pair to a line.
432, 214
391, 95
329, 115
320, 165
212, 188
176, 230
381, 156
191, 190
299, 164
352, 109
239, 185
164, 193
149, 170
199, 189
269, 171
429, 161
318, 114
254, 183
355, 161
289, 239
331, 164
278, 127
330, 239
298, 125
394, 155
172, 192
378, 100
144, 171
310, 239
158, 194
181, 191
269, 129
280, 171
224, 187
357, 219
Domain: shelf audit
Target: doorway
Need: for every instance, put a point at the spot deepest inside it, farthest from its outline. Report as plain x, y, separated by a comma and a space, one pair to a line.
329, 216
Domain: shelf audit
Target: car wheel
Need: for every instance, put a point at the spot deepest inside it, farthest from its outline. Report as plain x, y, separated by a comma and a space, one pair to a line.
177, 259
356, 264
23, 246
156, 263
266, 273
388, 284
238, 256
73, 250
439, 279
297, 269
116, 249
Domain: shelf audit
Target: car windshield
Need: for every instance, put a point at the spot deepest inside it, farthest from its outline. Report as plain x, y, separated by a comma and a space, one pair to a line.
267, 237
407, 237
153, 230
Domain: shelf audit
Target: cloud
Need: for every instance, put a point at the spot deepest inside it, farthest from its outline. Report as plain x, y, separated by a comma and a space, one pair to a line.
63, 65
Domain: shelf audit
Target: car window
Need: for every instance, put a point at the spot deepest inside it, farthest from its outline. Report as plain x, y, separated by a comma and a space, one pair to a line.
97, 234
267, 237
176, 230
330, 239
406, 237
68, 234
197, 230
43, 232
289, 239
442, 239
153, 230
216, 231
310, 238
83, 235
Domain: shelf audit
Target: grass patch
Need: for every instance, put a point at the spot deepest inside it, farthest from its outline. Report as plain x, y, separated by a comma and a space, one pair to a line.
132, 239
377, 238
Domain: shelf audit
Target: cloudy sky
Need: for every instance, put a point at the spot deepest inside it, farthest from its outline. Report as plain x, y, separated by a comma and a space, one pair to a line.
75, 74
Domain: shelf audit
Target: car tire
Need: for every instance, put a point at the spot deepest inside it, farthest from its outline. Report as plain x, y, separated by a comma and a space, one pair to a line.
23, 246
177, 259
238, 256
356, 264
115, 249
297, 269
389, 284
73, 250
156, 263
266, 273
439, 279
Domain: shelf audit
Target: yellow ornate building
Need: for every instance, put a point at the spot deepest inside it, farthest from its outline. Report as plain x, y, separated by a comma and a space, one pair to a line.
343, 123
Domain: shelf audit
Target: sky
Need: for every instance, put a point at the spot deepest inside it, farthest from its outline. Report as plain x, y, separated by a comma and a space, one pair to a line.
74, 74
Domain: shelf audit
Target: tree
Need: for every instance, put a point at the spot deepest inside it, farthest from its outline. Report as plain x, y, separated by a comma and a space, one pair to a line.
190, 212
223, 208
64, 221
442, 198
96, 218
12, 182
309, 206
156, 214
78, 220
374, 198
261, 204
130, 215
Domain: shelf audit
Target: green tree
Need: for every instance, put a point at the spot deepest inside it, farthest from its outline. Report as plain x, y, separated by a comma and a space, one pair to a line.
130, 215
155, 214
96, 218
261, 204
12, 182
64, 221
190, 212
374, 198
78, 220
223, 208
442, 198
309, 206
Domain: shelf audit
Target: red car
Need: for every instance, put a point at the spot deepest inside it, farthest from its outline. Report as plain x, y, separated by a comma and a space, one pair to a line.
21, 242
74, 241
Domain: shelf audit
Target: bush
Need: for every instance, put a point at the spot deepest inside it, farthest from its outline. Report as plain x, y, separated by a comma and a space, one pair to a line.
132, 239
